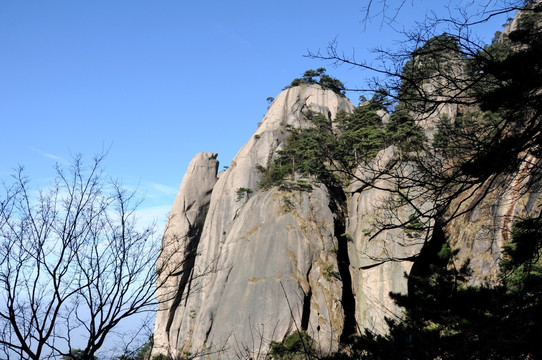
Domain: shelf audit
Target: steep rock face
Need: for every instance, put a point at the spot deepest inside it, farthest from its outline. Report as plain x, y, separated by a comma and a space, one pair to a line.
379, 258
256, 267
480, 233
181, 240
269, 275
265, 265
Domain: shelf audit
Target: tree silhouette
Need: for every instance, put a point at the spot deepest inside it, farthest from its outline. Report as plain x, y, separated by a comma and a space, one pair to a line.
75, 262
480, 105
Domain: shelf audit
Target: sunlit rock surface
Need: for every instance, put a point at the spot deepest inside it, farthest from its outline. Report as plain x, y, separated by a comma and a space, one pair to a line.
265, 264
253, 266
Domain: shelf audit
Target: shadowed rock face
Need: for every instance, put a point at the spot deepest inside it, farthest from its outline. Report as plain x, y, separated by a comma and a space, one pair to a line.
252, 270
480, 233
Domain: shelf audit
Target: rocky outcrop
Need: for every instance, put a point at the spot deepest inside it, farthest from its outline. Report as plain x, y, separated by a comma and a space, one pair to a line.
265, 264
252, 266
180, 243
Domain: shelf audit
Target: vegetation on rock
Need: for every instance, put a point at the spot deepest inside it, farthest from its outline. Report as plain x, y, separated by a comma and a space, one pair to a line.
296, 346
243, 193
319, 77
330, 150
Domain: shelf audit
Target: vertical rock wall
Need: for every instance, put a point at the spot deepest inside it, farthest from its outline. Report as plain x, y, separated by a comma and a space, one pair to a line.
180, 243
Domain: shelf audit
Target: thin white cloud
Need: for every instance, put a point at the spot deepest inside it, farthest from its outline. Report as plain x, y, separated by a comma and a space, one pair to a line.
48, 155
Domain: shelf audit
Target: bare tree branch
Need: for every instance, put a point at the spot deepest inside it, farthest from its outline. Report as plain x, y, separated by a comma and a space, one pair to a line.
75, 262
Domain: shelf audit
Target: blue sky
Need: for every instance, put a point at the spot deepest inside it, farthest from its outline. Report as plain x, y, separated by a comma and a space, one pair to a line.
157, 82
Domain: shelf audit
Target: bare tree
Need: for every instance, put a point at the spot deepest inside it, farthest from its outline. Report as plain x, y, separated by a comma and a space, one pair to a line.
490, 92
74, 263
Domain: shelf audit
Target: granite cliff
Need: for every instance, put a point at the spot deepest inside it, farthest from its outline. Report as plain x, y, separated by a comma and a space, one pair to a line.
258, 268
258, 264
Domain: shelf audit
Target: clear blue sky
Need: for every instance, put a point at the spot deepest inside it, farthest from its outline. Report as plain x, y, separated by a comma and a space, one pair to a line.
156, 82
